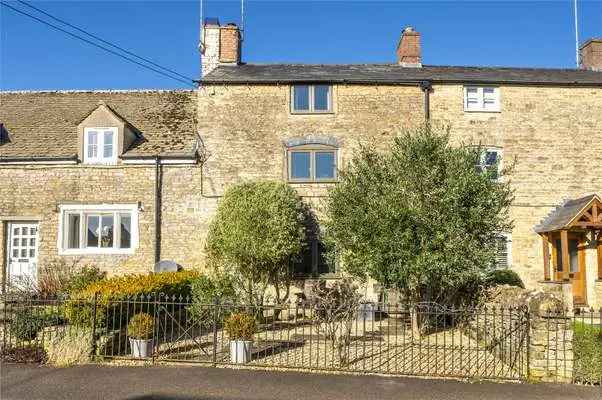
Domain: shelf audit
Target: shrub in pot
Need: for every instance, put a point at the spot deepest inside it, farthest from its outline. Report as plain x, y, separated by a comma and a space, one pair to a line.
240, 328
140, 332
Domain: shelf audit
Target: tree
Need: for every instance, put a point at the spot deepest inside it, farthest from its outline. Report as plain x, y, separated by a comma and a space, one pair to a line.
257, 230
419, 218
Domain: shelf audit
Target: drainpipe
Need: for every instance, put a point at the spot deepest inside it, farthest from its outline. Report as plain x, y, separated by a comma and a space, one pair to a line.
157, 209
426, 87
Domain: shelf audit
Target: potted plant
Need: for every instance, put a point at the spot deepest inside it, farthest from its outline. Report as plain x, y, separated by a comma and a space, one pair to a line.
240, 328
140, 332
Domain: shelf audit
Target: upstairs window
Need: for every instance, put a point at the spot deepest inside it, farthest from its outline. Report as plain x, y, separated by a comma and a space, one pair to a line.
310, 99
481, 98
100, 145
489, 162
503, 255
312, 163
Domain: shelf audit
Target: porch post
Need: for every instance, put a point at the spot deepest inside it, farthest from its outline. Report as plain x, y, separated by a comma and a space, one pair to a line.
564, 243
599, 239
546, 256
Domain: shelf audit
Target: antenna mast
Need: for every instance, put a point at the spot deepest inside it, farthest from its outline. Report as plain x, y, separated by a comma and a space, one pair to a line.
576, 34
242, 20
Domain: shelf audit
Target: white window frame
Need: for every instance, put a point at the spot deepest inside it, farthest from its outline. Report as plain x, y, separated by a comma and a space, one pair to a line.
311, 99
312, 150
100, 143
500, 153
95, 209
481, 97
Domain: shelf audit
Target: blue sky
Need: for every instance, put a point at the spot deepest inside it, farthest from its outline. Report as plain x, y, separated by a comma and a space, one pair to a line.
509, 33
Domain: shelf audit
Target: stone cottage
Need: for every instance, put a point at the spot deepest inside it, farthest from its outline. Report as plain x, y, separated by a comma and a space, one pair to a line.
122, 179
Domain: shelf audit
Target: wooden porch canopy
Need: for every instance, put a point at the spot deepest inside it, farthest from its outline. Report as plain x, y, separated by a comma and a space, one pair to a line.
582, 215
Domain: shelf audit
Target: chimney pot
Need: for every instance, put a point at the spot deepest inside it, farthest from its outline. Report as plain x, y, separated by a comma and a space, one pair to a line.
408, 49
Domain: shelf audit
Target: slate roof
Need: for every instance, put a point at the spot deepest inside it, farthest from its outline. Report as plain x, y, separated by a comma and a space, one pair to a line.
562, 215
44, 124
395, 74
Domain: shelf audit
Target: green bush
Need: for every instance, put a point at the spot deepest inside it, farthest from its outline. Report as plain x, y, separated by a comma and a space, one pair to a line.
504, 277
205, 290
27, 322
141, 326
587, 348
240, 326
83, 278
109, 312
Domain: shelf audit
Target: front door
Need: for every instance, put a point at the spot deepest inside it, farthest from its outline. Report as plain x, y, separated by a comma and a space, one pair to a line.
22, 253
577, 246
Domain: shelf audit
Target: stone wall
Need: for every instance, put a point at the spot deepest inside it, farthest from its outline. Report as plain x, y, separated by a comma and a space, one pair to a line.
551, 349
36, 192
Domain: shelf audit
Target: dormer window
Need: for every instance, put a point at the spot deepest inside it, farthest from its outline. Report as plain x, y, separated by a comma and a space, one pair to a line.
100, 145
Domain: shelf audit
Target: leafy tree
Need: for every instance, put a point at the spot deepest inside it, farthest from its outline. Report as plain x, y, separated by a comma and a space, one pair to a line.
257, 230
419, 218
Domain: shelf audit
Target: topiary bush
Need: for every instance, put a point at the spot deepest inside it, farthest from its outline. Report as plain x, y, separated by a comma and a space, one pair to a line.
141, 326
504, 277
240, 326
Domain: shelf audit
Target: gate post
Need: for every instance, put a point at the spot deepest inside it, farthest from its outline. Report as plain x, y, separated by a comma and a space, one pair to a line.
93, 349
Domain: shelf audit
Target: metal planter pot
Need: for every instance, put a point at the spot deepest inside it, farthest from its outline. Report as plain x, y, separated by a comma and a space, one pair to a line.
240, 351
141, 348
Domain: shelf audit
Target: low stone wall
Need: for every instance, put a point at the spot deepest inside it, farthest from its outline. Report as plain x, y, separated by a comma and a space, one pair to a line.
551, 348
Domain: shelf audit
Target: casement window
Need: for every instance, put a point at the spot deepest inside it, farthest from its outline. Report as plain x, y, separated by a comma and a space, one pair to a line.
312, 163
490, 161
313, 261
100, 145
308, 99
102, 229
503, 256
482, 98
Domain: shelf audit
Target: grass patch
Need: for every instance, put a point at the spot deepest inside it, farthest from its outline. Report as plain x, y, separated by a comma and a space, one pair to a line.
587, 348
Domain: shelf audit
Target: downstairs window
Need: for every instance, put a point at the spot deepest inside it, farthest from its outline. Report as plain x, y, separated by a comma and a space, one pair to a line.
105, 229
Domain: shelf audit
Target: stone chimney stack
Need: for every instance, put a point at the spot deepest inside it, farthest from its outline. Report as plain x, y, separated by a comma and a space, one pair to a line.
408, 49
591, 54
219, 45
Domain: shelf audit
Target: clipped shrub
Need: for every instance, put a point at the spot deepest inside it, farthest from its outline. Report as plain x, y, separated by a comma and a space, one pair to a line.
141, 326
587, 348
240, 326
79, 310
121, 287
27, 322
504, 277
69, 347
205, 290
83, 278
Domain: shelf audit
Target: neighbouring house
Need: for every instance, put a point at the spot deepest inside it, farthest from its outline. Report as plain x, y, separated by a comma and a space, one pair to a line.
124, 179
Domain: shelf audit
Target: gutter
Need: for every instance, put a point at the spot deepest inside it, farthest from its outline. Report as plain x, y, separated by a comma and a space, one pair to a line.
39, 160
158, 183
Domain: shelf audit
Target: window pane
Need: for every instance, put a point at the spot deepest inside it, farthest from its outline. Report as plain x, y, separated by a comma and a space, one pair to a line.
301, 98
23, 242
16, 242
321, 102
125, 221
490, 158
32, 253
93, 228
23, 253
92, 144
73, 221
325, 165
107, 231
300, 161
558, 254
33, 231
574, 255
108, 145
15, 253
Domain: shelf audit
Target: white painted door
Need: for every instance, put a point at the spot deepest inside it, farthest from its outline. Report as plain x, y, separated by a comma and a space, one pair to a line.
22, 253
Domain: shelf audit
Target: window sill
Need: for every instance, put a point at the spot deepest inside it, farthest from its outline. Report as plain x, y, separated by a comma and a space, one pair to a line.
483, 111
96, 252
312, 112
306, 181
